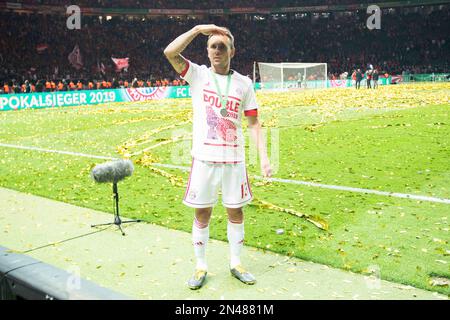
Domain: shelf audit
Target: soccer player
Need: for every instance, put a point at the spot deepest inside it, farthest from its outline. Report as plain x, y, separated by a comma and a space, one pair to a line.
220, 97
369, 78
375, 78
359, 77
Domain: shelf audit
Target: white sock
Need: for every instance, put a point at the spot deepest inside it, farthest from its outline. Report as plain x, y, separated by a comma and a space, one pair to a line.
235, 232
200, 239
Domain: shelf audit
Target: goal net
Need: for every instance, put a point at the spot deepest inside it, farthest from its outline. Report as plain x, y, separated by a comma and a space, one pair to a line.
291, 75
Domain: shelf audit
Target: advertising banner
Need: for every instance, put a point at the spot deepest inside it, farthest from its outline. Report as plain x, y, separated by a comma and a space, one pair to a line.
91, 97
88, 97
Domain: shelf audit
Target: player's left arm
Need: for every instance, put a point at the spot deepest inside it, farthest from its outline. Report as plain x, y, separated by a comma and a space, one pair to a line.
254, 126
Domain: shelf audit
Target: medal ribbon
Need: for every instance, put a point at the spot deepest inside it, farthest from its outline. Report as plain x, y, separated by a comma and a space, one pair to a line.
227, 91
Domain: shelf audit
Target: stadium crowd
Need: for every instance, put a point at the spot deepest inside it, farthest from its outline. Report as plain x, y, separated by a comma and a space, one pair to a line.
192, 4
35, 48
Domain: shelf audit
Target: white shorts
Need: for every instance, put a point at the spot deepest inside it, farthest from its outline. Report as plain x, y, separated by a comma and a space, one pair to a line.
206, 178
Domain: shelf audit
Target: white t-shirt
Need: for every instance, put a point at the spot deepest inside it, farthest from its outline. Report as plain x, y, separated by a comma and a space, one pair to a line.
217, 138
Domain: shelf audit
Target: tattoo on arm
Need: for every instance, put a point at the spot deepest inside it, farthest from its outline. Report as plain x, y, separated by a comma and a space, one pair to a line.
178, 63
174, 49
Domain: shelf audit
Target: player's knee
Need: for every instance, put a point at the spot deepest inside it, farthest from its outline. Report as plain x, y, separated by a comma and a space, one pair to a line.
235, 215
203, 215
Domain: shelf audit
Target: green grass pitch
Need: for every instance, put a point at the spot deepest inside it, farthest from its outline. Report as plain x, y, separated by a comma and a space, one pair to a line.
394, 139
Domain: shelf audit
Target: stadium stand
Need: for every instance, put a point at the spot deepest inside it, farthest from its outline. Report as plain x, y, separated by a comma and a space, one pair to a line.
35, 47
192, 4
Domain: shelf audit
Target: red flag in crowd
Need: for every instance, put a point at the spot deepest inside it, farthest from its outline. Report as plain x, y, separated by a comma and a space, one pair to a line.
41, 47
122, 63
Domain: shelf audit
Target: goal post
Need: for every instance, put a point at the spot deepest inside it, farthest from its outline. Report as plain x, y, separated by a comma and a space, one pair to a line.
291, 75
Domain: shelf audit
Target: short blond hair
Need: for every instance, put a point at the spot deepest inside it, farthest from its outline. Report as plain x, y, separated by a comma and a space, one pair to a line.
229, 35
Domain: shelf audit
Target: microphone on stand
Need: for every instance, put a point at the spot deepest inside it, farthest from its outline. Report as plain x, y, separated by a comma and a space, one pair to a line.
113, 172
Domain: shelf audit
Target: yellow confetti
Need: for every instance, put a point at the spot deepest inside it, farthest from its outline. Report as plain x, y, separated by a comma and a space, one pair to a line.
317, 221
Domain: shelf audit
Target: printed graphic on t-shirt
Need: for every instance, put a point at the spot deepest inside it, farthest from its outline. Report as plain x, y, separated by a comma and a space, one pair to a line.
221, 128
218, 137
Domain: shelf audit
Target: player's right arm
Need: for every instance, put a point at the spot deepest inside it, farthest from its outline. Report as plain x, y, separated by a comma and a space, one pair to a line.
177, 46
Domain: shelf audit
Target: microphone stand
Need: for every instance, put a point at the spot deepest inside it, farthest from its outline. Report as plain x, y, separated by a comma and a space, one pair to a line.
117, 220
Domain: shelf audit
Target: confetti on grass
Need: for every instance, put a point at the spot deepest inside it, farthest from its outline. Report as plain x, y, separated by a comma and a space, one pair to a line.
317, 221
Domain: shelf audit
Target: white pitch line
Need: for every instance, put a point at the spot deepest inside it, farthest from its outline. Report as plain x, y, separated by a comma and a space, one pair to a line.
171, 166
288, 181
56, 151
351, 189
327, 186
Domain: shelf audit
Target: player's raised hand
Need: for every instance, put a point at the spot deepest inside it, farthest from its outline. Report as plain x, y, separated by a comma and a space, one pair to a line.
208, 29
